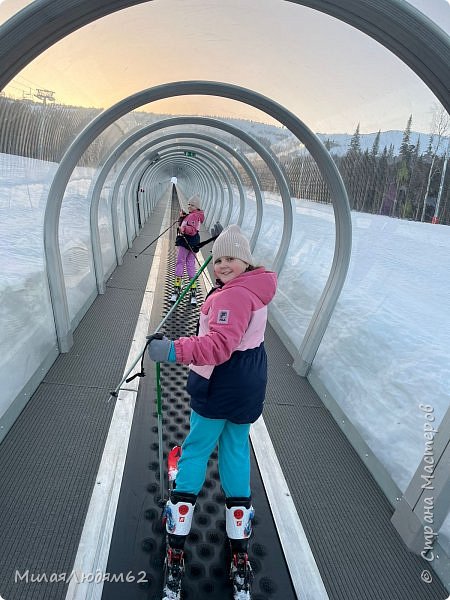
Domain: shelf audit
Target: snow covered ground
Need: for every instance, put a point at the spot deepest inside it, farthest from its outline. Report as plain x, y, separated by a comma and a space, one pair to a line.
385, 351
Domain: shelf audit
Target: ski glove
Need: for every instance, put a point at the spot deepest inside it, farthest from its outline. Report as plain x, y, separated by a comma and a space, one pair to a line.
161, 349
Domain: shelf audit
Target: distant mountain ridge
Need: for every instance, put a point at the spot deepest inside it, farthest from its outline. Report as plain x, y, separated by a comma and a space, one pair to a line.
387, 138
282, 141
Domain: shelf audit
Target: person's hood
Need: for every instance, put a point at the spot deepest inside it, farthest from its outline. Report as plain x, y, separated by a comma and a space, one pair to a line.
197, 211
260, 282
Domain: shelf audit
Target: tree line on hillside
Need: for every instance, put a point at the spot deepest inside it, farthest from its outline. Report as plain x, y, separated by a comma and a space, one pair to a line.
411, 184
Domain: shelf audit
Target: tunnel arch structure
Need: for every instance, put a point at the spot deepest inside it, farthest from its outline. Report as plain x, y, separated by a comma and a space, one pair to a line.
177, 121
176, 146
330, 173
135, 170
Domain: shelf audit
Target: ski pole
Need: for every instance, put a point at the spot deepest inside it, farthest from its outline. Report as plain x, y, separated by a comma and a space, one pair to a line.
157, 238
160, 437
185, 291
194, 249
158, 376
126, 378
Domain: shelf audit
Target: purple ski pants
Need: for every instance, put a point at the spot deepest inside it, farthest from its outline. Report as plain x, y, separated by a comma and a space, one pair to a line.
185, 257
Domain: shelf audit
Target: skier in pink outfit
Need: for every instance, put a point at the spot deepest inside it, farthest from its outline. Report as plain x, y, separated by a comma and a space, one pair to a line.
227, 385
187, 240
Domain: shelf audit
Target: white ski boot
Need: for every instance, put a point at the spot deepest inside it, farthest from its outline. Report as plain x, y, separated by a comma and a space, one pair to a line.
193, 298
239, 515
176, 289
177, 516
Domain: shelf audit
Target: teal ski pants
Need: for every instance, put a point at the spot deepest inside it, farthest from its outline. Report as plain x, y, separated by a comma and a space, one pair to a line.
233, 444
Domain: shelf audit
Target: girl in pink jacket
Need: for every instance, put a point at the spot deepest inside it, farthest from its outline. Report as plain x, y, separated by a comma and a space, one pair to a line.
187, 239
227, 382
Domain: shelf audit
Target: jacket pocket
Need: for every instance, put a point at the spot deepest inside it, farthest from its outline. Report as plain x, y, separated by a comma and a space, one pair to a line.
197, 387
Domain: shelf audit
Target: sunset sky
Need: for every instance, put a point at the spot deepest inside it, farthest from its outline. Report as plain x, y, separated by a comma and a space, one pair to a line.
329, 74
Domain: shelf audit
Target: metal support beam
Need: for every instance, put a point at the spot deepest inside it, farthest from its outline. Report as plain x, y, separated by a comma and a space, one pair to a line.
426, 501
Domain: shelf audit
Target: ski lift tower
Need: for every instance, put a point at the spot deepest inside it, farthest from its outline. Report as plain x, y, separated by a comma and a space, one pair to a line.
45, 95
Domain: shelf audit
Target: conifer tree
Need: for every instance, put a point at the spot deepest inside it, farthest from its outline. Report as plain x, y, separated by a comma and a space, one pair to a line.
405, 147
376, 144
350, 166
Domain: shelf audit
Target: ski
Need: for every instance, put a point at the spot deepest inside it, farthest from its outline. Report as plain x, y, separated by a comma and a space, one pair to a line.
175, 294
241, 576
173, 574
174, 561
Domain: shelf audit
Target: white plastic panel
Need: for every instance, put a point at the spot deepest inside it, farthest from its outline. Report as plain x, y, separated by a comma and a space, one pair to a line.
75, 241
386, 348
26, 317
106, 229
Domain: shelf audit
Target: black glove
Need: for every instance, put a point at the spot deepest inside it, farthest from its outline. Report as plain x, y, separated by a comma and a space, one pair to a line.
217, 229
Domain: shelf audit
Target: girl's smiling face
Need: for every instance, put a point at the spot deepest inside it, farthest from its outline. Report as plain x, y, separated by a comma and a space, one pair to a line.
227, 268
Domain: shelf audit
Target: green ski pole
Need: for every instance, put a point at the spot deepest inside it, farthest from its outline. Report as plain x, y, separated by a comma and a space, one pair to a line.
160, 438
115, 392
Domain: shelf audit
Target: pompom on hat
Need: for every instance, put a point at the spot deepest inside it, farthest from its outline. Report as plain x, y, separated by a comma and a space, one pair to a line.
232, 242
194, 201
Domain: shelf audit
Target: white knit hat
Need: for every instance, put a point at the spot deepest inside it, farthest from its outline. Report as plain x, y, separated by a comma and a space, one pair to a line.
194, 201
232, 242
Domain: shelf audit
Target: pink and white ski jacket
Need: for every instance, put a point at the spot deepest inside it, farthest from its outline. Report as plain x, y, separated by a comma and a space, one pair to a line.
227, 359
191, 223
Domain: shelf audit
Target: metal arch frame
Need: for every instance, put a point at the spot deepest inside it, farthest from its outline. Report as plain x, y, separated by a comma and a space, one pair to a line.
204, 186
208, 152
190, 186
230, 166
176, 145
398, 26
122, 173
181, 135
176, 169
335, 281
80, 144
259, 149
209, 171
210, 164
208, 181
118, 151
115, 191
152, 182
